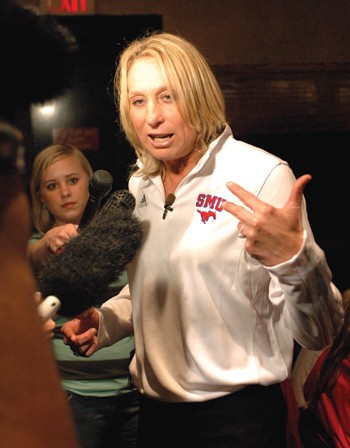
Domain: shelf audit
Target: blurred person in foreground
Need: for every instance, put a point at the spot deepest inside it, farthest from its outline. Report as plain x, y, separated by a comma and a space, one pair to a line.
229, 273
104, 407
36, 57
34, 412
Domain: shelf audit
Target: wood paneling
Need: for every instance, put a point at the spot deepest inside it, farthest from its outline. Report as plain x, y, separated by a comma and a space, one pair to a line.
268, 99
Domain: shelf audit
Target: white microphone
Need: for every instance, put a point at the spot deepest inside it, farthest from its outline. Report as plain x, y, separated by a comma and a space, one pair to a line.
170, 199
48, 307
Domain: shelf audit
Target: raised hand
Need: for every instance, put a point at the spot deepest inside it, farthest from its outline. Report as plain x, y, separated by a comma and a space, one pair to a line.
273, 235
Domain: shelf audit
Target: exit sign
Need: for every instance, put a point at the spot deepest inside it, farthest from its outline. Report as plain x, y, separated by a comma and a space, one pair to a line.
67, 7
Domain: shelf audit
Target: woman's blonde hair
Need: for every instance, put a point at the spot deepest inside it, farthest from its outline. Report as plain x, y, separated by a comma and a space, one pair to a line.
195, 88
42, 218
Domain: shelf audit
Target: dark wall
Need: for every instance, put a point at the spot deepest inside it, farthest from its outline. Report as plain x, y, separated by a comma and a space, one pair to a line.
248, 31
301, 113
320, 154
89, 103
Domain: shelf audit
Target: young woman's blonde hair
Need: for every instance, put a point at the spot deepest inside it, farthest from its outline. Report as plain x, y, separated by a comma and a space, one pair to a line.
42, 218
193, 84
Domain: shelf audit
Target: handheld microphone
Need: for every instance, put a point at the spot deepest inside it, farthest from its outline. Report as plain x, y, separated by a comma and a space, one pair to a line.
170, 199
48, 307
120, 198
80, 276
100, 185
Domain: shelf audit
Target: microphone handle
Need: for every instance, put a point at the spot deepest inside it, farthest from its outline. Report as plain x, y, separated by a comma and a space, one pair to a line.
100, 185
90, 210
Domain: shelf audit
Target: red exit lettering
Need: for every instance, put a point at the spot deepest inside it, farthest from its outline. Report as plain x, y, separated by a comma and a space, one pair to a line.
66, 6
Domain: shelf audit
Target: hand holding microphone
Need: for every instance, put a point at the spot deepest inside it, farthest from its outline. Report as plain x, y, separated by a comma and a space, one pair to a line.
57, 238
82, 273
100, 185
47, 308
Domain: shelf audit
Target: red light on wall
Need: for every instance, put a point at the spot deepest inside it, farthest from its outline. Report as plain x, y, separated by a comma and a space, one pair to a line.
83, 138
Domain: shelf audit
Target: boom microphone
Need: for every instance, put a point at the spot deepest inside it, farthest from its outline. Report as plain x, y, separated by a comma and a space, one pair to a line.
80, 276
100, 185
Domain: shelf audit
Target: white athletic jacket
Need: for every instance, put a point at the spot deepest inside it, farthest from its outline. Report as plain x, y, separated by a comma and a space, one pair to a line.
208, 318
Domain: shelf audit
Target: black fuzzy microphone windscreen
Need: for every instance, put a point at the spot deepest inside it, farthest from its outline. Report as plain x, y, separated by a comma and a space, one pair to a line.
80, 276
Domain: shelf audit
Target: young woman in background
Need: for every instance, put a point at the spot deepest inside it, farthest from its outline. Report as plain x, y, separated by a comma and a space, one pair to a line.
105, 409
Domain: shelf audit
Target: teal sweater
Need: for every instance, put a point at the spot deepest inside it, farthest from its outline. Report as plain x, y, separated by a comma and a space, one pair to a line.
106, 372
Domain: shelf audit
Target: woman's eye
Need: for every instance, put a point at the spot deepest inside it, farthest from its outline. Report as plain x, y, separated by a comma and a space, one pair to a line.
73, 180
51, 186
137, 102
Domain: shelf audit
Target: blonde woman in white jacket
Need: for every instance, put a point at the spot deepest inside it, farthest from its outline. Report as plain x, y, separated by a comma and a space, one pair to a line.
228, 274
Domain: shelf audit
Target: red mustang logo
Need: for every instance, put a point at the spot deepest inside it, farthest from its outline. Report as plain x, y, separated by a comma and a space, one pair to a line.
206, 215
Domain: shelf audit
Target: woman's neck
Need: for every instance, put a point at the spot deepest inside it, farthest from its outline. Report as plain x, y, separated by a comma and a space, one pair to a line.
176, 170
